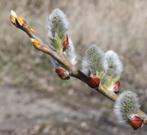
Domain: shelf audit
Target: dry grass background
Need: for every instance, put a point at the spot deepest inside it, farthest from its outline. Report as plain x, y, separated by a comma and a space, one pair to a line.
120, 25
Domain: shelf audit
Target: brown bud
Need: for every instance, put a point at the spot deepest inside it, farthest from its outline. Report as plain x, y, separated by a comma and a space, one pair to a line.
13, 17
117, 87
62, 73
93, 81
65, 42
36, 43
25, 26
21, 21
135, 121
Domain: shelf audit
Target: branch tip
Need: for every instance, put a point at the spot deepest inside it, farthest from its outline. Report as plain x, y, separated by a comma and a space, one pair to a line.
13, 13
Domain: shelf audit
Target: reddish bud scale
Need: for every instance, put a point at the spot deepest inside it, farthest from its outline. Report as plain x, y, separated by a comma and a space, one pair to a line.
62, 73
136, 122
65, 42
117, 87
93, 82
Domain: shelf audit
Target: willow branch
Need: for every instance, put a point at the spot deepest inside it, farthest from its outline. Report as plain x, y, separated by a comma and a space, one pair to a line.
20, 23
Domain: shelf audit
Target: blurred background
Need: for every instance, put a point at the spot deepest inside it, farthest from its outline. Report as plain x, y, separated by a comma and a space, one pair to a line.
34, 101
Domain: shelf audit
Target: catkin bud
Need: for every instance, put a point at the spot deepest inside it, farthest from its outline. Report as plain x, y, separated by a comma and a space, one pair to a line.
57, 24
114, 64
126, 106
93, 61
70, 52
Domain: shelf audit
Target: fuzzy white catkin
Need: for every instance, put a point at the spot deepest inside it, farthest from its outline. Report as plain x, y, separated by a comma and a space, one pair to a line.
57, 23
70, 53
125, 105
113, 61
93, 60
85, 66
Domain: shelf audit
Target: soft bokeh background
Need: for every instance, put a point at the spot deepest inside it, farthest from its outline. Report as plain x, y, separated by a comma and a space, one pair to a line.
34, 101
